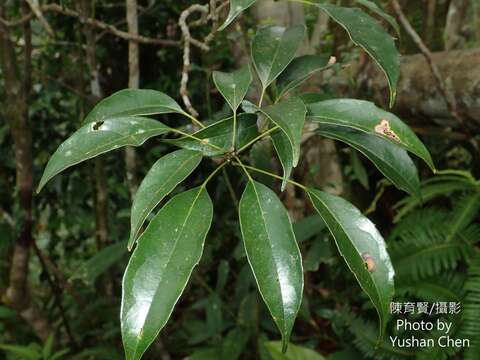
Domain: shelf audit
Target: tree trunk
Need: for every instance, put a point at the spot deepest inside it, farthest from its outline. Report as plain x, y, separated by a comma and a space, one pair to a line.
455, 20
101, 191
17, 90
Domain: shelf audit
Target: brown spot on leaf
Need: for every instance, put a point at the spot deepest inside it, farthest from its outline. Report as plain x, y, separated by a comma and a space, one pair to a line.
369, 262
205, 141
383, 128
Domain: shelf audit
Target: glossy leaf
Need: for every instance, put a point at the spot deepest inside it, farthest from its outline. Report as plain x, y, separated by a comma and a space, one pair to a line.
260, 156
392, 160
367, 33
362, 247
160, 267
273, 48
99, 137
299, 70
233, 86
380, 12
220, 135
273, 254
169, 171
133, 102
294, 352
283, 148
236, 7
365, 116
289, 115
247, 129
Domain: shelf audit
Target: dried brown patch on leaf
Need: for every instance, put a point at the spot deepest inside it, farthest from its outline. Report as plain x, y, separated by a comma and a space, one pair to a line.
383, 128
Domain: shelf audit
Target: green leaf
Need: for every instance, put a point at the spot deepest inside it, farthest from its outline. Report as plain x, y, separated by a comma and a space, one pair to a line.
273, 48
307, 227
289, 115
236, 7
294, 352
367, 33
380, 12
273, 254
392, 160
160, 267
283, 148
299, 70
169, 171
247, 129
260, 156
233, 86
101, 262
47, 347
365, 116
133, 102
219, 135
362, 247
359, 171
99, 137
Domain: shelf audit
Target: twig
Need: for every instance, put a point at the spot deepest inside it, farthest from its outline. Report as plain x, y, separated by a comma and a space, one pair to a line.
208, 13
56, 295
35, 7
187, 40
447, 95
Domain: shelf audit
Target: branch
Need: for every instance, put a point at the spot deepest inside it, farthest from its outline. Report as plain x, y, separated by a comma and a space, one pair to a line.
95, 23
447, 95
208, 13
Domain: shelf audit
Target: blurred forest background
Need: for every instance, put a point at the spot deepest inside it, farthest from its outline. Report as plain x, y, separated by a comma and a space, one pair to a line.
63, 252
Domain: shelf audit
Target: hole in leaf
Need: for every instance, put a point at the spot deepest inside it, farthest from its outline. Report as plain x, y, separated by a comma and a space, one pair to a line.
96, 125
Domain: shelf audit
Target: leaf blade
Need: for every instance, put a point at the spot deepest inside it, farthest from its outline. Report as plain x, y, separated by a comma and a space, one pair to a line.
299, 70
289, 115
367, 33
133, 102
236, 7
391, 160
367, 117
273, 48
167, 172
362, 247
380, 12
233, 86
272, 253
166, 254
99, 137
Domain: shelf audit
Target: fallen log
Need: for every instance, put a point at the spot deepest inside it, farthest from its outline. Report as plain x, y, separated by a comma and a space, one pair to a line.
418, 97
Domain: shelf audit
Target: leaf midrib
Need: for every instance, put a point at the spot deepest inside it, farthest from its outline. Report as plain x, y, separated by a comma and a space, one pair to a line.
270, 244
